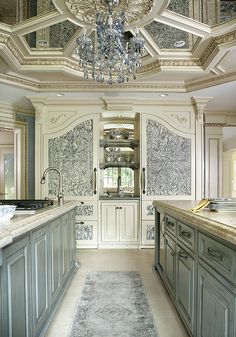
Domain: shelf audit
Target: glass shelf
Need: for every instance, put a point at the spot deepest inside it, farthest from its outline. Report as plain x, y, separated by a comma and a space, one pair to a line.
130, 165
119, 143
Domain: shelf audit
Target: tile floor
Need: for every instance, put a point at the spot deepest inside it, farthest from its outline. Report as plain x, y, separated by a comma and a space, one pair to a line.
165, 316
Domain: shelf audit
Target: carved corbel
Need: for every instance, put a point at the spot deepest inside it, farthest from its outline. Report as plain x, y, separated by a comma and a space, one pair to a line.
199, 104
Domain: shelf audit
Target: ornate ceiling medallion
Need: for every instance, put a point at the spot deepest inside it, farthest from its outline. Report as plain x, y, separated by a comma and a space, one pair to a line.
86, 10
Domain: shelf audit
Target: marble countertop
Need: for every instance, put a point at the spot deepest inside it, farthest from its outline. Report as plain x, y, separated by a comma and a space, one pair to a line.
221, 224
22, 223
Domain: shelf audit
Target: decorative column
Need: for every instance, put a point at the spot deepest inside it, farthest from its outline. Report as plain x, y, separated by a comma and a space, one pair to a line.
213, 159
199, 105
39, 160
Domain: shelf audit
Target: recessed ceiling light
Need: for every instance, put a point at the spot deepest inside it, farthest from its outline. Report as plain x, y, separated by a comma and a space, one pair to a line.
163, 95
179, 44
59, 94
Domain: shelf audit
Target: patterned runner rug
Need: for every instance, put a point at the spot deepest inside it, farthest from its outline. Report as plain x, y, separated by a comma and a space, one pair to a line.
113, 304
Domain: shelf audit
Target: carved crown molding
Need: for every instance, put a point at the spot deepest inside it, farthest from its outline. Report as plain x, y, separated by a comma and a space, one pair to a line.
226, 38
86, 11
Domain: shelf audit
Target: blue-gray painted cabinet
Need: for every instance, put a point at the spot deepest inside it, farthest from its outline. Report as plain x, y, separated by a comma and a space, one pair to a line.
216, 312
199, 271
178, 273
16, 316
40, 277
36, 270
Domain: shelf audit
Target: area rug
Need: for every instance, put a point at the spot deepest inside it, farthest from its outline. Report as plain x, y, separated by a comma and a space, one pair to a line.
113, 304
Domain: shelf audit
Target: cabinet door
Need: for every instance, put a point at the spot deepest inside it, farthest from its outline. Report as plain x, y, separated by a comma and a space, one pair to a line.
166, 159
185, 286
76, 157
55, 259
71, 238
216, 307
170, 266
68, 244
128, 221
1, 333
110, 225
16, 294
40, 277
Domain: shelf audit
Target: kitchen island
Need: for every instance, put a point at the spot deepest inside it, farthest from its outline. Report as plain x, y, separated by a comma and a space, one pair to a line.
37, 261
195, 255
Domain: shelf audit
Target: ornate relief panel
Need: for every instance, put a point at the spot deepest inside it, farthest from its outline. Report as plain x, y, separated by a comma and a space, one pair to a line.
168, 161
84, 232
148, 233
72, 153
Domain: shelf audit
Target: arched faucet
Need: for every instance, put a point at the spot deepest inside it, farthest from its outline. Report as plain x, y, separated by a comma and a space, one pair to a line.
60, 195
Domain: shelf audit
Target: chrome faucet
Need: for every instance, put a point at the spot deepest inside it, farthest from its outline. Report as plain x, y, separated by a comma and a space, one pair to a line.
118, 186
60, 194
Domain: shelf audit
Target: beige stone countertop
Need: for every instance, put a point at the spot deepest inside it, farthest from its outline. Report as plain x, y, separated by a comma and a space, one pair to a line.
221, 224
23, 223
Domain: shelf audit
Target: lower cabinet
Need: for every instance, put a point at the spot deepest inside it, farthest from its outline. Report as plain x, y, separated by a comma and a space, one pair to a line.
199, 272
170, 267
40, 277
216, 313
16, 315
179, 279
35, 270
119, 222
185, 286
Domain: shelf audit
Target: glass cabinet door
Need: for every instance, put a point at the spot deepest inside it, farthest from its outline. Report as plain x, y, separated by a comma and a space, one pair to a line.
7, 176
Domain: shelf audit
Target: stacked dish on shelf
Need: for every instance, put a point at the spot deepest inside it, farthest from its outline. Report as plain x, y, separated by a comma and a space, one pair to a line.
223, 205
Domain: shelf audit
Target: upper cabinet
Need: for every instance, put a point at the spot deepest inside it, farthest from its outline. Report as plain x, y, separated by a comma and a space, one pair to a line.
119, 159
167, 159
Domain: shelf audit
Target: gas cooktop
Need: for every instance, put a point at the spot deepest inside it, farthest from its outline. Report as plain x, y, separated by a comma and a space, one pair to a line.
28, 204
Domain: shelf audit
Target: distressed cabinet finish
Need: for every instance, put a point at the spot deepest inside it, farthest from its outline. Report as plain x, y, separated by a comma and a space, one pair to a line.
35, 272
216, 307
178, 265
40, 277
119, 222
199, 266
170, 267
16, 290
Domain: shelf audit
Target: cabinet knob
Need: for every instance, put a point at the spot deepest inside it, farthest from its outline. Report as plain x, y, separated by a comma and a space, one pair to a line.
82, 202
183, 255
216, 255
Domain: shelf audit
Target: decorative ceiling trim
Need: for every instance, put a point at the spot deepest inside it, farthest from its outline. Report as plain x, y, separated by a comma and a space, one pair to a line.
226, 38
86, 11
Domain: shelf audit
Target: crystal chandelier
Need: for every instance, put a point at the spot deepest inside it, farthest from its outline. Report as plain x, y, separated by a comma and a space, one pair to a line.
111, 56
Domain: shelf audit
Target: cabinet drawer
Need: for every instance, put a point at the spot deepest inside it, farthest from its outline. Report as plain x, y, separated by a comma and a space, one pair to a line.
186, 235
219, 256
86, 210
148, 211
170, 224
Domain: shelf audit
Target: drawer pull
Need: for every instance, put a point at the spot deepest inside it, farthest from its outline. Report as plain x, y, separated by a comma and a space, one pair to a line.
216, 255
170, 223
183, 255
173, 253
82, 202
186, 234
81, 222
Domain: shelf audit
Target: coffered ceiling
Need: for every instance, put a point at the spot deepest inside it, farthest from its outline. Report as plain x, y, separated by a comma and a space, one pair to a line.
190, 45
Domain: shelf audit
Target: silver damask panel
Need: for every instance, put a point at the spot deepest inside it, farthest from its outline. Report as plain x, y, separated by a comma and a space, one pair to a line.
84, 210
150, 210
150, 232
84, 232
72, 153
168, 161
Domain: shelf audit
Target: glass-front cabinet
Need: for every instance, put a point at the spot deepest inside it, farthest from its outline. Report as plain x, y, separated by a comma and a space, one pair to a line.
119, 160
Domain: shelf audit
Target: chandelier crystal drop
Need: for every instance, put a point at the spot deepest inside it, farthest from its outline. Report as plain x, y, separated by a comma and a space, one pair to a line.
111, 56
